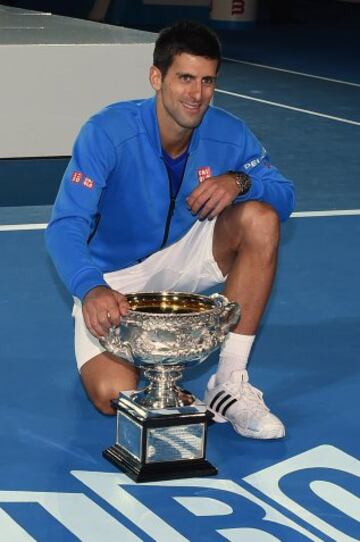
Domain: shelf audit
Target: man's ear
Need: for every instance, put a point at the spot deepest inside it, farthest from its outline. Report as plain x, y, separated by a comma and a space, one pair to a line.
155, 78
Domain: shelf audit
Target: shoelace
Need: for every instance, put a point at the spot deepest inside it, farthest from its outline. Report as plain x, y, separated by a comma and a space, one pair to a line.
252, 395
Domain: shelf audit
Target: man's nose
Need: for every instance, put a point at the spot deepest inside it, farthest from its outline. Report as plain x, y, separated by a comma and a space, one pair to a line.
196, 90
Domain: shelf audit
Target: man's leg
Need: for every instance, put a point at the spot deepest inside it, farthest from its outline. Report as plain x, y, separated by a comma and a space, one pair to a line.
104, 376
245, 246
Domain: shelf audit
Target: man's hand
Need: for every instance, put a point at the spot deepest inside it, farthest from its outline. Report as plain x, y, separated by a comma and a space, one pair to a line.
211, 197
102, 308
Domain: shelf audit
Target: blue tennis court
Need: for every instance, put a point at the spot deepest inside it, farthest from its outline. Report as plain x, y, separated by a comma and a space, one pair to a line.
54, 483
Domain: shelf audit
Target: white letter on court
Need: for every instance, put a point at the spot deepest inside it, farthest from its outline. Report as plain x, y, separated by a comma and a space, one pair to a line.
326, 457
108, 486
75, 511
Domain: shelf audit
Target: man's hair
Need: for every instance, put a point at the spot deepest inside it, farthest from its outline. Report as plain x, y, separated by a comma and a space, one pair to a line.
185, 37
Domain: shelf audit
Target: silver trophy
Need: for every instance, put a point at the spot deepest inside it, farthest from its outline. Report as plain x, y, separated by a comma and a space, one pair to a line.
162, 429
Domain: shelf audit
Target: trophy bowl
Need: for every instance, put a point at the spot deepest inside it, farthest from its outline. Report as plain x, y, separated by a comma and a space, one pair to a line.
165, 332
171, 328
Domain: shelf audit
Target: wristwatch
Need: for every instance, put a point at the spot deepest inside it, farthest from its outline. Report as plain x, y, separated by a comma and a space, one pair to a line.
242, 180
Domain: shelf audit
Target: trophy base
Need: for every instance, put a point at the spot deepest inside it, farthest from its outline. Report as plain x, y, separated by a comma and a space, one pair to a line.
159, 444
156, 472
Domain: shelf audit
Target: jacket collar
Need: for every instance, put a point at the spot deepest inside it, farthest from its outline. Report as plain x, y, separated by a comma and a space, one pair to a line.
151, 126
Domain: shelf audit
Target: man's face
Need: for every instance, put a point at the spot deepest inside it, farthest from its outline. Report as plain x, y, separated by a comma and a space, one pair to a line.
185, 92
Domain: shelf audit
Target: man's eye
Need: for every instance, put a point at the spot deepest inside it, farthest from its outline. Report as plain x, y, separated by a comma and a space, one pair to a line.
207, 81
185, 77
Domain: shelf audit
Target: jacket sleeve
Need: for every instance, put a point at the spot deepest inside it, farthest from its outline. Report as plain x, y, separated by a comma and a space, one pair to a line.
268, 185
75, 211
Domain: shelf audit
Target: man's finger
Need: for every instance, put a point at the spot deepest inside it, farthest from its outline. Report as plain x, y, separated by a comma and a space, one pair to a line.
113, 316
217, 210
97, 330
93, 321
203, 188
208, 209
196, 193
222, 203
202, 199
122, 303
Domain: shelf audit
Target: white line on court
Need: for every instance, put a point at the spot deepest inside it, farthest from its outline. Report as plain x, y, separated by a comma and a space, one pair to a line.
310, 214
297, 214
276, 104
236, 61
22, 227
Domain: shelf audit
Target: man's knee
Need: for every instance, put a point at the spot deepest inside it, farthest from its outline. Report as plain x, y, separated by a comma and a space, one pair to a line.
252, 225
104, 378
260, 224
102, 394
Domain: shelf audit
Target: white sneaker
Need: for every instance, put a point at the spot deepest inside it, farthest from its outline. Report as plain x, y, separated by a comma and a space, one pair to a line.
238, 402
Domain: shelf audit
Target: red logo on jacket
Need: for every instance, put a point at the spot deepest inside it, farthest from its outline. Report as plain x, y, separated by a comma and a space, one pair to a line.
77, 177
204, 173
88, 183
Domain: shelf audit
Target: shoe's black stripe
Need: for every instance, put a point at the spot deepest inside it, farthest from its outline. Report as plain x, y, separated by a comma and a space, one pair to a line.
230, 403
220, 403
216, 398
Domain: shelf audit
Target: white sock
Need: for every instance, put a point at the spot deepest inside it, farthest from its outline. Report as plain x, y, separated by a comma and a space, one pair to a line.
234, 355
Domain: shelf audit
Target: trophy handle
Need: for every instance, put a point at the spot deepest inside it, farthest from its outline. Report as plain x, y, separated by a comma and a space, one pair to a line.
230, 315
113, 344
125, 351
230, 312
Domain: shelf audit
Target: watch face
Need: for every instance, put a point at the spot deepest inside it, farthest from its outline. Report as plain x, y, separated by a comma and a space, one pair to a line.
244, 182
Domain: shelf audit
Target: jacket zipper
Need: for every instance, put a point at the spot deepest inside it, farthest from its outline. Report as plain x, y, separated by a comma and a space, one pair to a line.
171, 204
168, 218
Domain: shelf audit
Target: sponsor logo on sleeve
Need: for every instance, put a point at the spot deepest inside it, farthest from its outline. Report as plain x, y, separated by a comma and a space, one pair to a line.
77, 177
204, 173
88, 183
262, 159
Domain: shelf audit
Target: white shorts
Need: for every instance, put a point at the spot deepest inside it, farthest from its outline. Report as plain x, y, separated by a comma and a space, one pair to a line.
186, 266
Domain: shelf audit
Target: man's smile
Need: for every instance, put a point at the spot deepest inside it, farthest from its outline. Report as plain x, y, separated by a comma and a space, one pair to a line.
192, 107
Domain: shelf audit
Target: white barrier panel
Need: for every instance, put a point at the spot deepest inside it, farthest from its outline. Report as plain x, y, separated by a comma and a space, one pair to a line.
233, 14
57, 71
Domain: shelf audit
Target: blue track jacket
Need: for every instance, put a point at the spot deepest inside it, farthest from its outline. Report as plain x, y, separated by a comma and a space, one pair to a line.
114, 207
